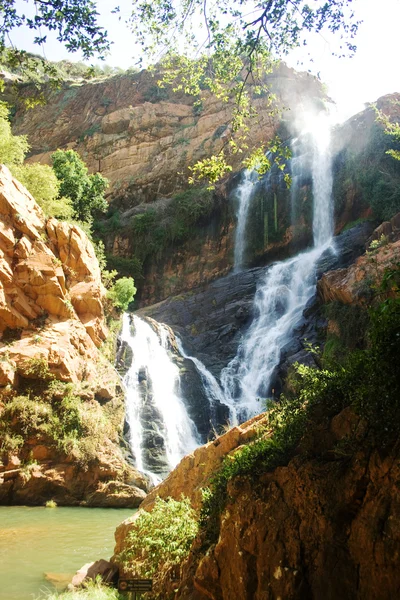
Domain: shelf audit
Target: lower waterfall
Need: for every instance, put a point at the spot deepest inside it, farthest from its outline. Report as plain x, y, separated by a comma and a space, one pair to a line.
160, 430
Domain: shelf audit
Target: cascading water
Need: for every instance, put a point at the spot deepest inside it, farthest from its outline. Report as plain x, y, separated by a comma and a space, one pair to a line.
282, 296
155, 411
210, 385
153, 379
244, 195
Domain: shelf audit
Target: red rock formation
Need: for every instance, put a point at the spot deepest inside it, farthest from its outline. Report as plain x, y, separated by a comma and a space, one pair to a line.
324, 526
51, 317
348, 286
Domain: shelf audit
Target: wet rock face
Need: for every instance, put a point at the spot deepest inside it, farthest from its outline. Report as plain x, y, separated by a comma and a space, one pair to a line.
212, 320
153, 429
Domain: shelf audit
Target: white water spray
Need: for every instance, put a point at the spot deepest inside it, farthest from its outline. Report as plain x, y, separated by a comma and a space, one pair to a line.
151, 361
282, 296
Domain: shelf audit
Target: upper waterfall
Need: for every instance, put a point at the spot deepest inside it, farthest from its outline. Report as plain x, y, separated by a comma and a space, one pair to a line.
244, 194
283, 293
322, 180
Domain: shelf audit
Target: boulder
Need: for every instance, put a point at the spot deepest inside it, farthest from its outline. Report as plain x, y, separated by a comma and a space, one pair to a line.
108, 572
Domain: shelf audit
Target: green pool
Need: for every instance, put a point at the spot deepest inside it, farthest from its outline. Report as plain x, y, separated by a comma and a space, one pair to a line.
54, 541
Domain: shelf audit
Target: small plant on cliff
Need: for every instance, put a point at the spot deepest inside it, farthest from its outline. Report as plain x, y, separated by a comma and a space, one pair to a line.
162, 536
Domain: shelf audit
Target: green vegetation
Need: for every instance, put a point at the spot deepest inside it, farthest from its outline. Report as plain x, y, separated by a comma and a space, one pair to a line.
235, 50
42, 183
160, 538
12, 147
73, 21
40, 180
153, 231
366, 380
350, 325
122, 293
85, 191
371, 174
55, 411
66, 191
91, 591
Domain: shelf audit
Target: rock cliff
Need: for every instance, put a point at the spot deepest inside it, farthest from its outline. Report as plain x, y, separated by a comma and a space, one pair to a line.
56, 388
142, 137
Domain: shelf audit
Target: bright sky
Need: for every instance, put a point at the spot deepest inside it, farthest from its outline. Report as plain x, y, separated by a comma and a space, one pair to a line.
371, 73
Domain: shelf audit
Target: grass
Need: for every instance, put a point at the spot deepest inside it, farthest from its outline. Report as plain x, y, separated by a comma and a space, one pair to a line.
93, 591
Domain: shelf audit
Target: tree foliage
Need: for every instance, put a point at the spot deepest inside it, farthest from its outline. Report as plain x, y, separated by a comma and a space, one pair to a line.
73, 21
42, 183
40, 180
85, 191
12, 147
122, 293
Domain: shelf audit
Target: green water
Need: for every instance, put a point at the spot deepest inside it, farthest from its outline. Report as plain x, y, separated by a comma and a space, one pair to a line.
35, 541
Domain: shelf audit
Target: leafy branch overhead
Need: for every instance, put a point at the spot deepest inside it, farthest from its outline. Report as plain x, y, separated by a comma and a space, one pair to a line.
74, 21
227, 48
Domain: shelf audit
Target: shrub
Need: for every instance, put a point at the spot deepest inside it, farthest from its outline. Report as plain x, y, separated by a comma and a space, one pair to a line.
85, 191
12, 147
122, 293
162, 536
42, 183
93, 590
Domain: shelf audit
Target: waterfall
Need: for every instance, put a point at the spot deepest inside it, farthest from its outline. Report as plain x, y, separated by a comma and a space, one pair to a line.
282, 295
322, 181
244, 195
161, 432
210, 385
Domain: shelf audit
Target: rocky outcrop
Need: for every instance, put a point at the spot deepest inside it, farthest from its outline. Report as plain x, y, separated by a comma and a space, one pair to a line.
50, 280
51, 324
324, 527
353, 285
212, 319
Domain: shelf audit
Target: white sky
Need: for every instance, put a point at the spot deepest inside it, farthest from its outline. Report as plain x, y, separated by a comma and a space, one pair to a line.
371, 73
